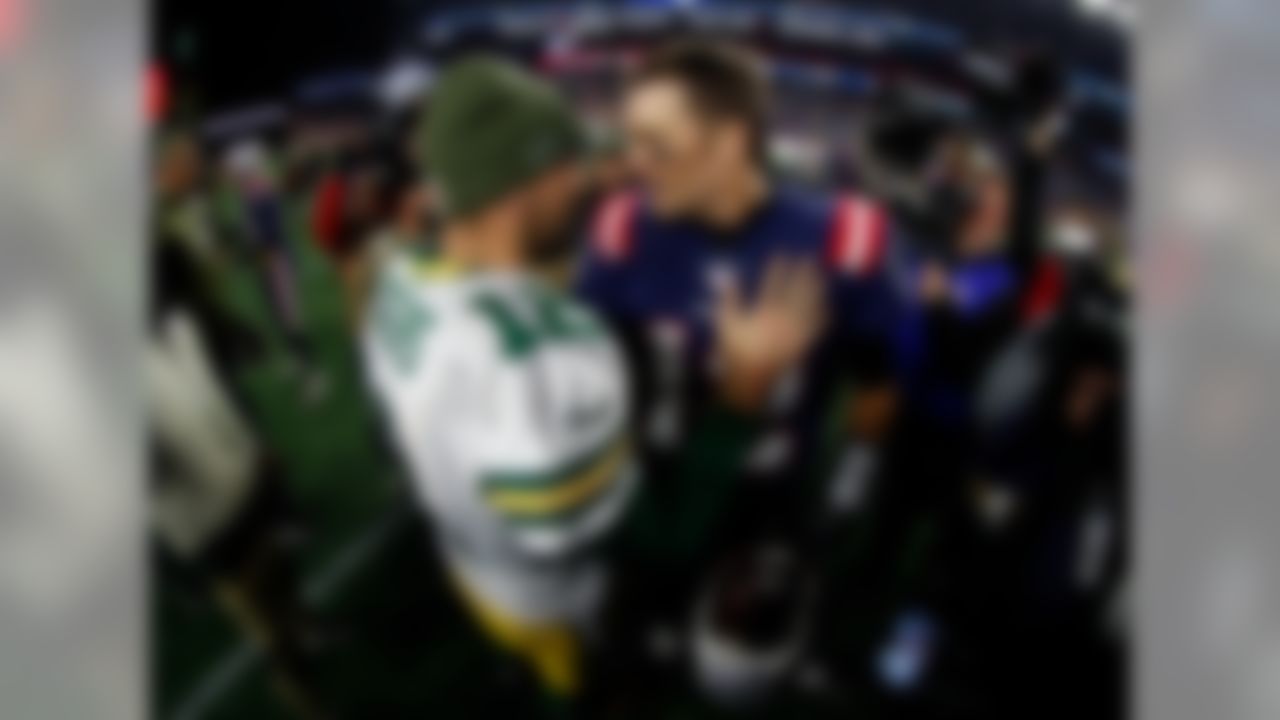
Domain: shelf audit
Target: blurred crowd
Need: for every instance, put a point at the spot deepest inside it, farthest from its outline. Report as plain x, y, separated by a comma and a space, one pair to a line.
958, 547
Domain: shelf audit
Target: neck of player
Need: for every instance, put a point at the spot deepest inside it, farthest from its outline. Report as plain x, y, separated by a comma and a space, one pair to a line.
491, 241
740, 196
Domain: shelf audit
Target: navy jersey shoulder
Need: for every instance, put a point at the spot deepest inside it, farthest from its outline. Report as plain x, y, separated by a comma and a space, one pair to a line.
626, 231
790, 221
646, 265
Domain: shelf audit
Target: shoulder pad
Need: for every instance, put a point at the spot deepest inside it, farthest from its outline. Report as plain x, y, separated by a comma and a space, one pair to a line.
613, 231
858, 235
1044, 292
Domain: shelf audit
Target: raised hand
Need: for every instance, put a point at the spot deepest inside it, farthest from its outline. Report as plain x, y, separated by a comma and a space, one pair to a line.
757, 342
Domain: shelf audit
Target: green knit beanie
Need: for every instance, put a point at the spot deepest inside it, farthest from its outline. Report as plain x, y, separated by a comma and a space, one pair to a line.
491, 128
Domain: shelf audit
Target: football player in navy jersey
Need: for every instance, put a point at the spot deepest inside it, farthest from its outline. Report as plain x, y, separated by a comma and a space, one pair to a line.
747, 309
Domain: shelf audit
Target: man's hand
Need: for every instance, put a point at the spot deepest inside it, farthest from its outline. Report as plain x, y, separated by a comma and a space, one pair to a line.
757, 343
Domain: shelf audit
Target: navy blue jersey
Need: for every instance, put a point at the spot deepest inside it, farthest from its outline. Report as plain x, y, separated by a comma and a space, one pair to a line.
940, 350
656, 281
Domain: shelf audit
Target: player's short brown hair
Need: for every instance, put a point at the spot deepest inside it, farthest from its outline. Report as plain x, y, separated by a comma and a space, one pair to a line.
724, 81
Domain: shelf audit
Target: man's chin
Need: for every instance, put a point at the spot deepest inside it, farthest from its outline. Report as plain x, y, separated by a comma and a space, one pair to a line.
667, 210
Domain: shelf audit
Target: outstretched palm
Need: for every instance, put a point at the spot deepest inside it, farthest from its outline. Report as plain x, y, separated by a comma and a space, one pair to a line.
757, 342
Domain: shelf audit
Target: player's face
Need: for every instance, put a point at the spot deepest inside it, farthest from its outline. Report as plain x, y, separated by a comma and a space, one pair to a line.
679, 156
987, 222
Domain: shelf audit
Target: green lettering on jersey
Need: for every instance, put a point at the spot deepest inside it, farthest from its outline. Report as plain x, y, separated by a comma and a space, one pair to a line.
550, 318
517, 336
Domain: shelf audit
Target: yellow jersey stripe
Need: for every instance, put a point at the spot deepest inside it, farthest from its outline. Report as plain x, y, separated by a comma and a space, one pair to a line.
566, 494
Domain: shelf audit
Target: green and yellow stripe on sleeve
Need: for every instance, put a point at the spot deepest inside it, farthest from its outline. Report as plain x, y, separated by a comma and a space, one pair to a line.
560, 493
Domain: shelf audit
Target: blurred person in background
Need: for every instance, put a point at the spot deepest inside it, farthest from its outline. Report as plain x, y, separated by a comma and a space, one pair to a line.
188, 226
1036, 116
307, 145
259, 209
342, 207
958, 291
367, 192
1050, 508
404, 230
217, 499
181, 209
398, 207
969, 277
958, 285
744, 306
506, 398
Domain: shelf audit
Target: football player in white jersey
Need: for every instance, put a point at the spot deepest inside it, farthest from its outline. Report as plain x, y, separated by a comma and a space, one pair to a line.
506, 398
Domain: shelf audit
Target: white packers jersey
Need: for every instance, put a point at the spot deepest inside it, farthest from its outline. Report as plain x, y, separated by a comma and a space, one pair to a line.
508, 402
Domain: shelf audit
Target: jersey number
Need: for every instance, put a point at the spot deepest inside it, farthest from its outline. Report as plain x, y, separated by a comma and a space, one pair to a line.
552, 319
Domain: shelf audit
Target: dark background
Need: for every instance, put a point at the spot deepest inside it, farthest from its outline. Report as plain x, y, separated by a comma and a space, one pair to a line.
241, 51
